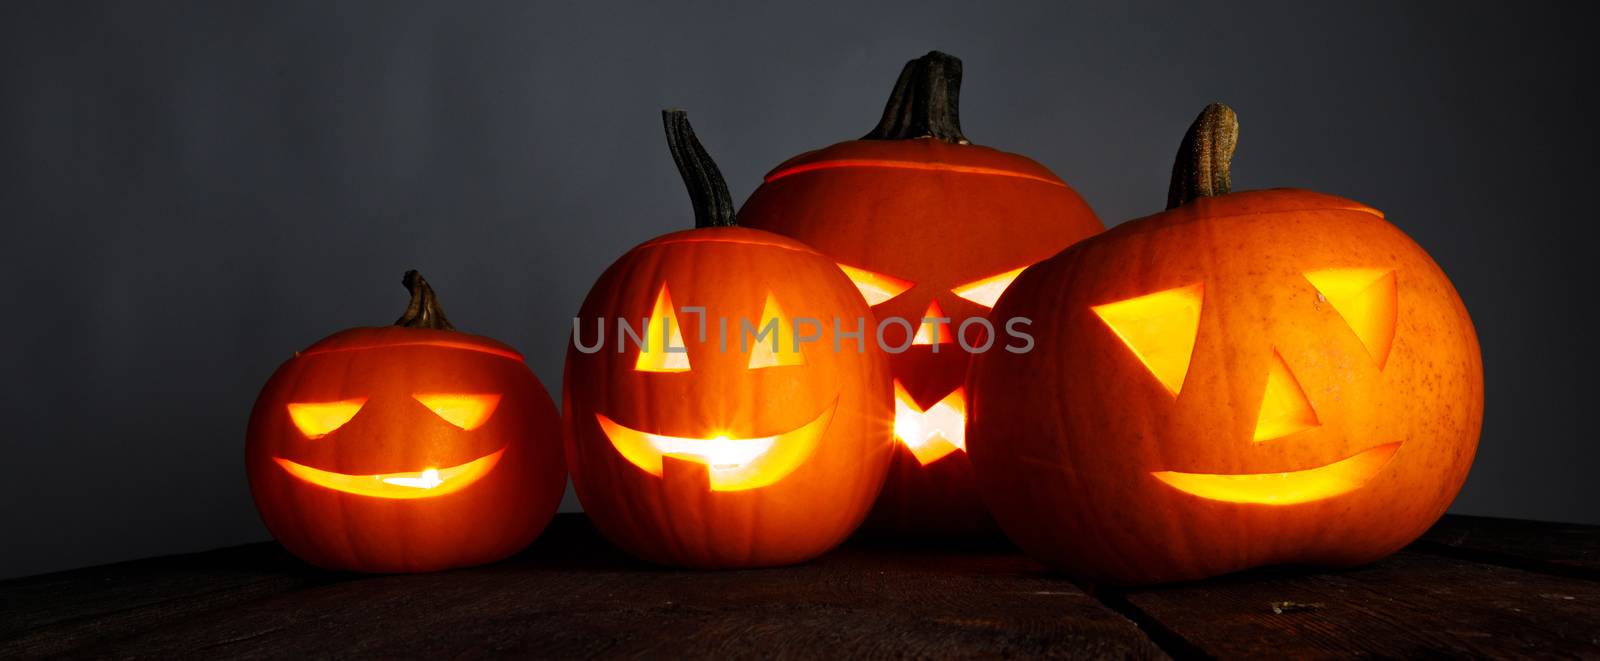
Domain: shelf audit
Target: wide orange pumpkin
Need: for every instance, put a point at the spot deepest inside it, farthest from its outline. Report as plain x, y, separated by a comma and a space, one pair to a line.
929, 226
740, 426
1247, 379
405, 448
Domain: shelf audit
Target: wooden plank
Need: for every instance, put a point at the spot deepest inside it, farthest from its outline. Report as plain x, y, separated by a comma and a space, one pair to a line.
1561, 548
1409, 605
55, 612
572, 595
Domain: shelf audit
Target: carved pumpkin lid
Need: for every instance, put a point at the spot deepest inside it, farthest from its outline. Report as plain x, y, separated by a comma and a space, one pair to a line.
920, 130
921, 154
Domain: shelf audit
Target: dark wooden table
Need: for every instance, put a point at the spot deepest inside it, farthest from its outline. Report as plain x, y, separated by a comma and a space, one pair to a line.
1472, 586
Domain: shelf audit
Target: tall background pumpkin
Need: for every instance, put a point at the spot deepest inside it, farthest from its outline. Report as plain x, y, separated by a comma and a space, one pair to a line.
410, 447
1253, 378
724, 453
928, 225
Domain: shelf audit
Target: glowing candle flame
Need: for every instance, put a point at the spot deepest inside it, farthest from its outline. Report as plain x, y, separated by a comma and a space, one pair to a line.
934, 433
427, 479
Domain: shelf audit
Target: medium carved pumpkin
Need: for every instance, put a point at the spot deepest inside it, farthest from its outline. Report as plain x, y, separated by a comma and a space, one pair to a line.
929, 226
706, 446
406, 448
1246, 379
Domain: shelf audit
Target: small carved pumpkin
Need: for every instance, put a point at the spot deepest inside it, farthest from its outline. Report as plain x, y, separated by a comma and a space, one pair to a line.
1246, 379
406, 448
929, 226
704, 446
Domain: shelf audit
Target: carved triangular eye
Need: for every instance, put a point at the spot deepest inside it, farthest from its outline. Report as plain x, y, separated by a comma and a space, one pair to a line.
663, 332
318, 419
762, 352
988, 290
1160, 329
1368, 302
1284, 407
875, 287
466, 411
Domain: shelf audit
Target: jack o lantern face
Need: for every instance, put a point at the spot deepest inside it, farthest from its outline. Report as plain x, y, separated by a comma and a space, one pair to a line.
437, 430
1316, 337
930, 405
932, 423
732, 462
686, 446
1160, 330
316, 420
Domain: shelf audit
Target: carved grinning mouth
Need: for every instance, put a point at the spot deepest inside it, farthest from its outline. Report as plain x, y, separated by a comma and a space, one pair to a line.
425, 483
1286, 488
732, 464
933, 433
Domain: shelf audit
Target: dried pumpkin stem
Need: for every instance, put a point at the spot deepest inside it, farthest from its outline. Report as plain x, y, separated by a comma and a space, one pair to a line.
925, 103
1201, 169
708, 191
423, 311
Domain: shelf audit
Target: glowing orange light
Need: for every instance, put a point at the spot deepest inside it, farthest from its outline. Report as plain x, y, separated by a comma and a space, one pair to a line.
462, 410
925, 332
653, 356
426, 483
988, 290
875, 287
907, 165
1160, 329
1368, 302
318, 419
733, 464
1288, 488
428, 479
934, 433
1284, 407
762, 353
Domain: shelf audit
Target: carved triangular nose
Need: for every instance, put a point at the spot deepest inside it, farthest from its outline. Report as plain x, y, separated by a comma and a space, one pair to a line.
1284, 407
925, 332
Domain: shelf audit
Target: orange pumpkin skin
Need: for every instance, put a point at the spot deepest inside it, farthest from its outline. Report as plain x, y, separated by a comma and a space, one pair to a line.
676, 517
495, 514
939, 215
1067, 440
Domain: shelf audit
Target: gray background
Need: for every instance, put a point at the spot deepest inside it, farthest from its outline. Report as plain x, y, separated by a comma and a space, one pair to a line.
192, 190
